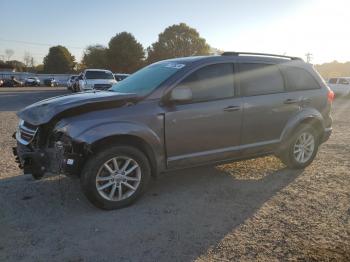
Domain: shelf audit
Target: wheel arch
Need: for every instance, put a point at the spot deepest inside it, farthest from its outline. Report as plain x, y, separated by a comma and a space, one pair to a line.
313, 119
129, 140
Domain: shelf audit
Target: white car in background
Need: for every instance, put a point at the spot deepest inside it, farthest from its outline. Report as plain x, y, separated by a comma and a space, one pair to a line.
98, 79
340, 85
71, 81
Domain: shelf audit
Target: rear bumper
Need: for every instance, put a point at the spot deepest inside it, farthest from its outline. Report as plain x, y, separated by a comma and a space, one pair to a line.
326, 134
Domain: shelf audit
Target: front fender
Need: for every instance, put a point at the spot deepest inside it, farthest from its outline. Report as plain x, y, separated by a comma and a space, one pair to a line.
152, 138
104, 130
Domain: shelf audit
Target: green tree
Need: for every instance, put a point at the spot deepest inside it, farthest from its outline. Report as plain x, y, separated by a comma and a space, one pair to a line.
39, 69
95, 56
334, 69
125, 54
59, 60
177, 41
18, 65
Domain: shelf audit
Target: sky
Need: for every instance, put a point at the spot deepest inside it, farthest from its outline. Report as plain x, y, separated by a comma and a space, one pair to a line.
293, 27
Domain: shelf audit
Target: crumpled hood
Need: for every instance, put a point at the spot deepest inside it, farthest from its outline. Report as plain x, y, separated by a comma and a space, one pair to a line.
44, 111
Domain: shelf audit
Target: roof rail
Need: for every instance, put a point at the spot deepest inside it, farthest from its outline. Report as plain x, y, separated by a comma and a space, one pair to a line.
259, 54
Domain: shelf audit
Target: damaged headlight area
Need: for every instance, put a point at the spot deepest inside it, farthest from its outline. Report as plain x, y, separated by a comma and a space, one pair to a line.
67, 154
48, 150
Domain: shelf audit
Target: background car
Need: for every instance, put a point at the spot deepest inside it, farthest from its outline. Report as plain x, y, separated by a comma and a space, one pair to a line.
32, 81
71, 81
13, 82
75, 83
340, 85
99, 79
1, 82
119, 77
50, 82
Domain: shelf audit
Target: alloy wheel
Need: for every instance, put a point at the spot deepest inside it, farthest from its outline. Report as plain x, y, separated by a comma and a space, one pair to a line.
304, 147
118, 178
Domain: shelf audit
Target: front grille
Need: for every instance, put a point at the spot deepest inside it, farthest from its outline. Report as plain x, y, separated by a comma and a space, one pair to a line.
102, 86
26, 132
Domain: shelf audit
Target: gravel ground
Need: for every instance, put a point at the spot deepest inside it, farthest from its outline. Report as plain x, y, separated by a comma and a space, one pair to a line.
248, 211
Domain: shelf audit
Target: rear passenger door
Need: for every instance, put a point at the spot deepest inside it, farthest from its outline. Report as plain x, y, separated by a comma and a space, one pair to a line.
302, 86
266, 106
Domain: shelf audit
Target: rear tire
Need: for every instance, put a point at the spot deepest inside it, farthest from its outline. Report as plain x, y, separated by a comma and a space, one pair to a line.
301, 148
115, 177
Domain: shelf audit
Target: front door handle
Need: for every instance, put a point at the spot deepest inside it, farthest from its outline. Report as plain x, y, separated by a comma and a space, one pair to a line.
232, 108
291, 101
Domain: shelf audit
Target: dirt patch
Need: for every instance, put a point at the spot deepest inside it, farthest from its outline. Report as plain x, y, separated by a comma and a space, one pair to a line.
307, 220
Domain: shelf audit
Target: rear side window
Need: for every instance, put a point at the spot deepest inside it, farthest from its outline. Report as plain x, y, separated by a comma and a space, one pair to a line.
300, 79
210, 83
260, 79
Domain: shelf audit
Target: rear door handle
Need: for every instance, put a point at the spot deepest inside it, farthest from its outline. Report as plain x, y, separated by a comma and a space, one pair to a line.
232, 108
291, 101
305, 100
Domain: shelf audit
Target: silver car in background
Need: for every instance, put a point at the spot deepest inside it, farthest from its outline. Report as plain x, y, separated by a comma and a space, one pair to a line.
71, 81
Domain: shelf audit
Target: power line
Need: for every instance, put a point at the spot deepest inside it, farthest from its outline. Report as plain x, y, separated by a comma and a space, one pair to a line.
309, 57
36, 43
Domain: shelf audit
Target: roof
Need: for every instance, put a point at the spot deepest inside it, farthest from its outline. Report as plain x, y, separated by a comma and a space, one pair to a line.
230, 56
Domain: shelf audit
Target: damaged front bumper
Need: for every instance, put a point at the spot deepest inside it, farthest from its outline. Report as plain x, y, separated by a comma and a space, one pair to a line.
54, 160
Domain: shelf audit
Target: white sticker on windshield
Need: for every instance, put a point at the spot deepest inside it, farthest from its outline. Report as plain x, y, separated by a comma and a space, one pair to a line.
176, 66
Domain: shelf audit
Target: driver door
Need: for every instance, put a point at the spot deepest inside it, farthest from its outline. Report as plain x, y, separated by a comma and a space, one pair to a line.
207, 128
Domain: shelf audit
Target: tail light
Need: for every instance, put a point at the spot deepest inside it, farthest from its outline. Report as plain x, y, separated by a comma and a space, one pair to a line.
330, 96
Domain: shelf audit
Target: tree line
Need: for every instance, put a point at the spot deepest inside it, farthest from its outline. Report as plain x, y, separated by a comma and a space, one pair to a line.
334, 69
125, 54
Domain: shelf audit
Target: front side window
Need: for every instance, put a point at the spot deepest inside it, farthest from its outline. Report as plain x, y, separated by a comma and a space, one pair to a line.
299, 79
99, 75
260, 79
210, 83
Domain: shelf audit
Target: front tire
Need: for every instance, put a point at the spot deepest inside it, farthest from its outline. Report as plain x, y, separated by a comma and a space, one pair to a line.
301, 148
115, 177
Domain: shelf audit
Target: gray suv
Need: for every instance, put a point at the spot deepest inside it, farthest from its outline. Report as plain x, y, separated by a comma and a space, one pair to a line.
175, 114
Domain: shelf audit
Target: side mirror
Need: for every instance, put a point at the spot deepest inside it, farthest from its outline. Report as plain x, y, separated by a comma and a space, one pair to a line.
183, 94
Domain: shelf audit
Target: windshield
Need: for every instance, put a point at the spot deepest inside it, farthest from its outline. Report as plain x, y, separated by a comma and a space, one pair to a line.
98, 75
147, 79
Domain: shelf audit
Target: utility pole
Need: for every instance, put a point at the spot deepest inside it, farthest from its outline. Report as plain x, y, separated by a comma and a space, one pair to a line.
308, 57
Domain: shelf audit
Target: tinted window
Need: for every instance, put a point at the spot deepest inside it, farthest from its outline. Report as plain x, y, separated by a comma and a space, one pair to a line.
300, 79
210, 83
98, 75
333, 81
343, 81
260, 79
